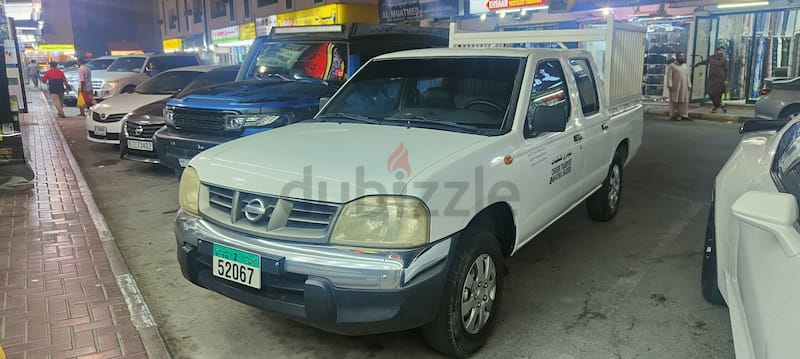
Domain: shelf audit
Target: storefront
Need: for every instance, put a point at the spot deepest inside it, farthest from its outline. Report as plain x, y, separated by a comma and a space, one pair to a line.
45, 53
232, 43
759, 45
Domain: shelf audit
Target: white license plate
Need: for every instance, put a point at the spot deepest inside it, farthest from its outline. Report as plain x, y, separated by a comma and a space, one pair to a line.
100, 130
183, 162
140, 145
236, 266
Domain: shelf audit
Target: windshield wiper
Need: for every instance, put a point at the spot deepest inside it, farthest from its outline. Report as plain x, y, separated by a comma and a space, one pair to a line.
348, 117
410, 120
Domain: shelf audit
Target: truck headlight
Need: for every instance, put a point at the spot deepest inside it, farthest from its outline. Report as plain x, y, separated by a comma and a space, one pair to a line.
383, 222
169, 116
237, 122
189, 192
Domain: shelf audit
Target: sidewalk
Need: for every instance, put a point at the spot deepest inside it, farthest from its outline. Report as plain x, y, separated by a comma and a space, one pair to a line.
66, 292
736, 113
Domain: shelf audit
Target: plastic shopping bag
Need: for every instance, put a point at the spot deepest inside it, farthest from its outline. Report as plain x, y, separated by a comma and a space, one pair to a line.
81, 100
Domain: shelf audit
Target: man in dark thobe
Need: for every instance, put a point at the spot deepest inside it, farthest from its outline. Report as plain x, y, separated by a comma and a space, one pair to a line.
717, 83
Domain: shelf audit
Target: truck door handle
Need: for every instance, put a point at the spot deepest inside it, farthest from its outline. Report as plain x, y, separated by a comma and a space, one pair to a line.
604, 126
577, 138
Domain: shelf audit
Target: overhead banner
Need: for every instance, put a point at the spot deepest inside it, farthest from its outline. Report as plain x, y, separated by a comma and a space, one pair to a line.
392, 11
587, 5
57, 47
484, 6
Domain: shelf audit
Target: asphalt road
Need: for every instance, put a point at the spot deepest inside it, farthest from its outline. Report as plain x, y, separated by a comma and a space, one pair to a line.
624, 289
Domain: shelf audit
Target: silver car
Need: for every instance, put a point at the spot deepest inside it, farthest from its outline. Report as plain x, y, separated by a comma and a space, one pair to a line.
780, 99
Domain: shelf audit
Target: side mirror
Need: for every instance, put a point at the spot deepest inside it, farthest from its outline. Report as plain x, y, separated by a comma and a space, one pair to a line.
775, 213
548, 119
323, 101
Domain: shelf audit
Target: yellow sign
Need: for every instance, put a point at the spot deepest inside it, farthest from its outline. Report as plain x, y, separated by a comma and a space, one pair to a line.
330, 15
172, 44
247, 31
57, 47
126, 52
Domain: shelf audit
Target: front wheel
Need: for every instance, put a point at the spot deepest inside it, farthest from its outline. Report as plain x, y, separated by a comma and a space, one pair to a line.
604, 204
471, 299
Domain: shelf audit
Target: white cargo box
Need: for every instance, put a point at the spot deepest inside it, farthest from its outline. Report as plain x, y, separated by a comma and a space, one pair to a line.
621, 67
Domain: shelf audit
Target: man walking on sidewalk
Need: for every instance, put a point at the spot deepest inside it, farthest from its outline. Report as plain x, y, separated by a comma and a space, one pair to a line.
717, 83
679, 86
56, 84
85, 86
33, 73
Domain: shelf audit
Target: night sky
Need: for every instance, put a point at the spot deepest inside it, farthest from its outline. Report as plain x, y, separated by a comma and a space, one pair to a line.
98, 23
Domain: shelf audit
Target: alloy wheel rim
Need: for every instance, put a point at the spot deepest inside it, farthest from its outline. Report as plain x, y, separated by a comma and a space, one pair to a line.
478, 294
614, 186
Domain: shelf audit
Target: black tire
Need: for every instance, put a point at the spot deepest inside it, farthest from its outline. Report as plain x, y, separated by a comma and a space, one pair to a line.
708, 276
603, 205
448, 333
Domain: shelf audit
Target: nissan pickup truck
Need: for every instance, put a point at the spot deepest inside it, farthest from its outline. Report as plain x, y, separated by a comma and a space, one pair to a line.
396, 206
281, 81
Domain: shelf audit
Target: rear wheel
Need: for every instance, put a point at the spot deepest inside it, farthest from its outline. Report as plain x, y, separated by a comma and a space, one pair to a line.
472, 297
708, 276
604, 204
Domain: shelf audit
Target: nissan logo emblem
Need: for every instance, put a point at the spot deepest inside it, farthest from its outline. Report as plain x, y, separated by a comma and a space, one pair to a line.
254, 210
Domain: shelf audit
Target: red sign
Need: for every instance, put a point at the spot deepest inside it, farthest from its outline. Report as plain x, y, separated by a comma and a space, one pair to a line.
494, 5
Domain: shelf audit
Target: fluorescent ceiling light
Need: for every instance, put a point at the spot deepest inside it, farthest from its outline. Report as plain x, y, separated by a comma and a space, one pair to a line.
742, 4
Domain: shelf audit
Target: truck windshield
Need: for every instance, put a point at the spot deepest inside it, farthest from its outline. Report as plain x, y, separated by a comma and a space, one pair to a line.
127, 64
99, 64
300, 60
453, 94
168, 83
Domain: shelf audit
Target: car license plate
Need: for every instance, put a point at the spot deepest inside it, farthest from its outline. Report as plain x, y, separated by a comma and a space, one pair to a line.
100, 130
183, 162
237, 266
140, 145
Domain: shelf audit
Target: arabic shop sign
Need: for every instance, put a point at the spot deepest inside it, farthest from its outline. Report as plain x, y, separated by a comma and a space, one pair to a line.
483, 6
414, 10
247, 31
225, 34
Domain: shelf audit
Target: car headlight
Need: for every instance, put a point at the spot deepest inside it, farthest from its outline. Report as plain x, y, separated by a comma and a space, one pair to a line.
110, 85
189, 192
237, 122
383, 222
169, 116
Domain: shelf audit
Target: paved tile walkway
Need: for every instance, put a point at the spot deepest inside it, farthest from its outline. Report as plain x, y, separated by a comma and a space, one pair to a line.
58, 294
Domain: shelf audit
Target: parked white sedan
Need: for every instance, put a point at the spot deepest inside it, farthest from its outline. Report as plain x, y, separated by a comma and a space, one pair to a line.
104, 120
751, 259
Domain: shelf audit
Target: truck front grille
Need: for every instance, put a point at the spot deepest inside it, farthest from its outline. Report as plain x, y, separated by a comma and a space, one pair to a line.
269, 216
202, 121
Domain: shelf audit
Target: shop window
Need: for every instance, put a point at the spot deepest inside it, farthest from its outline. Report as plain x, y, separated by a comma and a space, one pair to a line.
173, 18
197, 11
218, 8
230, 8
288, 4
266, 2
246, 9
318, 1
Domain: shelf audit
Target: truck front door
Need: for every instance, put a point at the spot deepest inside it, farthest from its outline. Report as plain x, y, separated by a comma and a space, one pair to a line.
556, 158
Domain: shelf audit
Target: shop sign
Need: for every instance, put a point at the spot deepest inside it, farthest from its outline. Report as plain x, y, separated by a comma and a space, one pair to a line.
57, 47
172, 44
126, 52
586, 5
265, 24
412, 10
225, 34
247, 31
482, 6
320, 15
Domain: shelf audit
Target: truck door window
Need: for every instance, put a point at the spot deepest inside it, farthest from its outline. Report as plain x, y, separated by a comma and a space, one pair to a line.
549, 89
587, 89
322, 60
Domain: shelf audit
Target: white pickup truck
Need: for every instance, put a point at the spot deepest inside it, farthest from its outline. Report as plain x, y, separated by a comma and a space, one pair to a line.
396, 205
